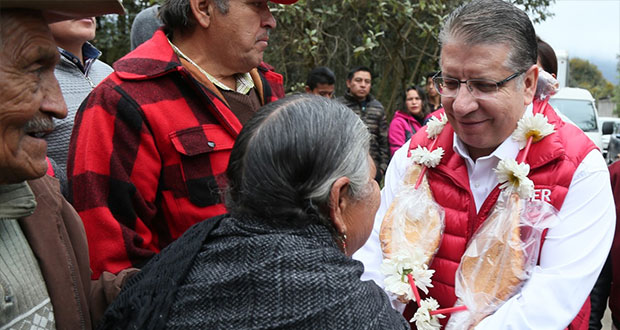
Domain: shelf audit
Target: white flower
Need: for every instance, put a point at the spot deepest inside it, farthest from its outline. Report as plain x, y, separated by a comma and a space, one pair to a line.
399, 265
535, 126
435, 125
514, 177
423, 318
422, 156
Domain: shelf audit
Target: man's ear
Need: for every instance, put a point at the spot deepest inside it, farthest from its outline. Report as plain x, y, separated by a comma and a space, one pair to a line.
339, 203
348, 84
308, 90
202, 11
530, 81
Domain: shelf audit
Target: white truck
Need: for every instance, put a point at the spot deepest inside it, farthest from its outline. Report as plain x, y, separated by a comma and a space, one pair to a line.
578, 105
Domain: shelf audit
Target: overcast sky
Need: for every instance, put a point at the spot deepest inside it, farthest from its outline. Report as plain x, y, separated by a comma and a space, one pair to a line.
588, 29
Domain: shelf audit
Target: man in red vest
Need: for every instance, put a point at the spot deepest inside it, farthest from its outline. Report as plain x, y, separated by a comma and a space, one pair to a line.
487, 84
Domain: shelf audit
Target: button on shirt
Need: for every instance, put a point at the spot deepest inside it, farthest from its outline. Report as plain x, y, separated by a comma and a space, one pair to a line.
572, 255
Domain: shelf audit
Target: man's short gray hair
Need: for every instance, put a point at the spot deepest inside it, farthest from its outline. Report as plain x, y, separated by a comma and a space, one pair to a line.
494, 22
288, 156
177, 14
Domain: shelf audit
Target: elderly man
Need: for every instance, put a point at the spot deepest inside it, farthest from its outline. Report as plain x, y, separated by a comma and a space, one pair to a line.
151, 143
487, 83
44, 267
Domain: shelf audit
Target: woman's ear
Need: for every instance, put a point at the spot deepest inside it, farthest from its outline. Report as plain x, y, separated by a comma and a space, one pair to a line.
202, 11
339, 203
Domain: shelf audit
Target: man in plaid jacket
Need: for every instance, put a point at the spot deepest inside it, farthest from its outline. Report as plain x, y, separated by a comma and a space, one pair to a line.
151, 143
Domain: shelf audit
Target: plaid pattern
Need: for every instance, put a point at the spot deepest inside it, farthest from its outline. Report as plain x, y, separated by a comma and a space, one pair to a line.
148, 155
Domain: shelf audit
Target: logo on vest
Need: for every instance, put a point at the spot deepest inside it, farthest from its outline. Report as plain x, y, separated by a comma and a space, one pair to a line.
542, 195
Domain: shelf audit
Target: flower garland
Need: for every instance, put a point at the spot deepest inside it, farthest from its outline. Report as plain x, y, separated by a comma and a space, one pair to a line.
406, 274
513, 175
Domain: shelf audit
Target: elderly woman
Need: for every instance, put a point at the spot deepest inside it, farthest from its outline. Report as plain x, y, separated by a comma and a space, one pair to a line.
301, 200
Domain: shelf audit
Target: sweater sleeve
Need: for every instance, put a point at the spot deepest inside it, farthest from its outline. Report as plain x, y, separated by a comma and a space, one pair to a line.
113, 172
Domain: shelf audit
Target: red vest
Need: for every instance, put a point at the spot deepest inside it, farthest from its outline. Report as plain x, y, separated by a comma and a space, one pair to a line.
552, 166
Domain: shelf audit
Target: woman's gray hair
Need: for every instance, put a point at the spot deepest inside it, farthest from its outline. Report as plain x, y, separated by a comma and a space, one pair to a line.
288, 156
177, 14
493, 22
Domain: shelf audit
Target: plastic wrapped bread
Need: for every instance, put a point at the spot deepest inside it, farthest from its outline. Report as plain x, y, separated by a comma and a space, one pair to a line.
499, 258
414, 220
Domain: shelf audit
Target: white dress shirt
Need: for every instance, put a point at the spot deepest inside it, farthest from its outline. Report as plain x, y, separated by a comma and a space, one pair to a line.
572, 256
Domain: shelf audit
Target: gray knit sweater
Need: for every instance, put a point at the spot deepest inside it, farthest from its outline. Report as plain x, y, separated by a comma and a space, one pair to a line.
75, 86
249, 274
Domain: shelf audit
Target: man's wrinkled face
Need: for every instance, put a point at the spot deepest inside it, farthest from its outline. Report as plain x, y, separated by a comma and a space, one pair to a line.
360, 84
242, 34
29, 94
483, 124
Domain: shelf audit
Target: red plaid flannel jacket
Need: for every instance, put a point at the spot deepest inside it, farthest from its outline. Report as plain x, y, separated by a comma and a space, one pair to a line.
148, 155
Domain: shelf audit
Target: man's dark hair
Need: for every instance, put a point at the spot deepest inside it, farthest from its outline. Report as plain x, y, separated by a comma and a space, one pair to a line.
357, 69
547, 57
177, 14
320, 75
430, 74
490, 22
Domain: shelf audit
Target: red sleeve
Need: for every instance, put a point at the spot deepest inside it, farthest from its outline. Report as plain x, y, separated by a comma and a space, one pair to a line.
112, 194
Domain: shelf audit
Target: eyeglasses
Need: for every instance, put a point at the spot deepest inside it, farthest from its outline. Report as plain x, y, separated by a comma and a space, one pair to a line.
478, 88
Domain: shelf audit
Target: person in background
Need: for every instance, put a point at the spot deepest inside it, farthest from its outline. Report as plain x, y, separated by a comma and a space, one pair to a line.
44, 267
166, 121
487, 84
321, 81
408, 121
359, 99
144, 26
434, 99
546, 57
301, 200
78, 72
608, 284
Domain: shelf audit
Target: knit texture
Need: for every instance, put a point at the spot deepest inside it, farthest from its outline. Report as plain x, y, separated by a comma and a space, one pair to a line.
75, 86
24, 301
248, 274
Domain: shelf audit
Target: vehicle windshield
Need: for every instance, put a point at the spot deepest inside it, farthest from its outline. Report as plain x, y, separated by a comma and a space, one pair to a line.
581, 112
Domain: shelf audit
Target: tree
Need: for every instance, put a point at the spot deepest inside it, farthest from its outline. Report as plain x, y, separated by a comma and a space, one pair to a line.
397, 39
113, 31
616, 97
584, 74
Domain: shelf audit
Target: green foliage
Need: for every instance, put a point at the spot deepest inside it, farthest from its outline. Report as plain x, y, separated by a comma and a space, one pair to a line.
586, 75
113, 31
397, 39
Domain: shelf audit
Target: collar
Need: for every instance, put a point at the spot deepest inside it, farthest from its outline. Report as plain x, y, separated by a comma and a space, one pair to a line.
244, 81
89, 52
16, 201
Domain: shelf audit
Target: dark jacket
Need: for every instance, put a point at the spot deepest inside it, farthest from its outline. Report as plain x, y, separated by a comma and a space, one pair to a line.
247, 274
608, 283
148, 154
373, 115
57, 239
